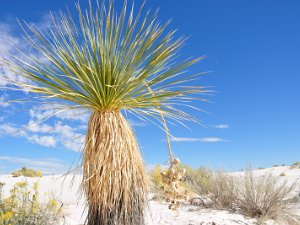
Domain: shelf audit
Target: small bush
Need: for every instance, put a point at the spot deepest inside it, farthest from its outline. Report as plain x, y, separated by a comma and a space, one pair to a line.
263, 196
294, 167
156, 178
282, 175
223, 190
27, 173
197, 180
1, 187
275, 165
22, 207
296, 164
261, 168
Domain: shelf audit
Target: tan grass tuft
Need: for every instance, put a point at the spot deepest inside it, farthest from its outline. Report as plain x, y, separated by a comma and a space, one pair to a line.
115, 180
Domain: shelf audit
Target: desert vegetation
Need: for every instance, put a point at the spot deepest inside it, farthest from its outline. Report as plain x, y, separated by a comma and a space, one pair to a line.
295, 165
259, 196
263, 196
25, 172
22, 206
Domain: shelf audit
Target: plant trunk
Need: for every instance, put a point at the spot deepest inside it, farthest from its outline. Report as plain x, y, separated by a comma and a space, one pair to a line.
114, 175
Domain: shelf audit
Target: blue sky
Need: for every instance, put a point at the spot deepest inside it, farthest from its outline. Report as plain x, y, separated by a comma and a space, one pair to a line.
253, 51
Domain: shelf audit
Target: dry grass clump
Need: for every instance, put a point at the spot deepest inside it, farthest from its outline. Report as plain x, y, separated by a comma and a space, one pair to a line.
263, 196
114, 176
27, 173
223, 190
22, 207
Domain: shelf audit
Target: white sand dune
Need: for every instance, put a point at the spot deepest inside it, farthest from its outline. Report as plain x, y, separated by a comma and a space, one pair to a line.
157, 213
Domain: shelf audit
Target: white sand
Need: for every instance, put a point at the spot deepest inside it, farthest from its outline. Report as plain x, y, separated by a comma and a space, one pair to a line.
157, 213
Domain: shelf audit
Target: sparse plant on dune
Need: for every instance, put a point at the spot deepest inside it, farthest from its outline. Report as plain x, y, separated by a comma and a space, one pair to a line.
295, 165
110, 63
27, 173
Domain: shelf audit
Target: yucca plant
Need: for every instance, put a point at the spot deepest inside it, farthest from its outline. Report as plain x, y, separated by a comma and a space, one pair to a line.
110, 63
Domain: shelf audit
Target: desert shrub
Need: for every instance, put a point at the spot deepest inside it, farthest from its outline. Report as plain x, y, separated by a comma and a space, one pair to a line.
168, 184
22, 207
27, 173
1, 187
223, 190
156, 178
263, 196
197, 180
295, 165
282, 175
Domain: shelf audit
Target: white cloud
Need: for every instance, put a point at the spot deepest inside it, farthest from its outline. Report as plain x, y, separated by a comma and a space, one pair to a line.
11, 130
76, 144
203, 140
46, 135
47, 166
8, 44
38, 128
47, 141
222, 126
3, 101
48, 110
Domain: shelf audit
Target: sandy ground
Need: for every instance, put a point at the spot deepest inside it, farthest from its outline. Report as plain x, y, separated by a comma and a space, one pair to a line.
65, 189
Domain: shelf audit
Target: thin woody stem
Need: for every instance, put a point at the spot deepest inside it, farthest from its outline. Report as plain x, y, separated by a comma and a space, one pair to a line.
165, 127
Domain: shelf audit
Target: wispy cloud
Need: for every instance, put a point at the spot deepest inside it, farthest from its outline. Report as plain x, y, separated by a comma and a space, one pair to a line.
222, 126
47, 166
9, 42
135, 123
203, 140
49, 110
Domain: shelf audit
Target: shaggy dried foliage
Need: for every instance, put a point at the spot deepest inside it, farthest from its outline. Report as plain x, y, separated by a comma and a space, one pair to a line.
263, 196
115, 179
